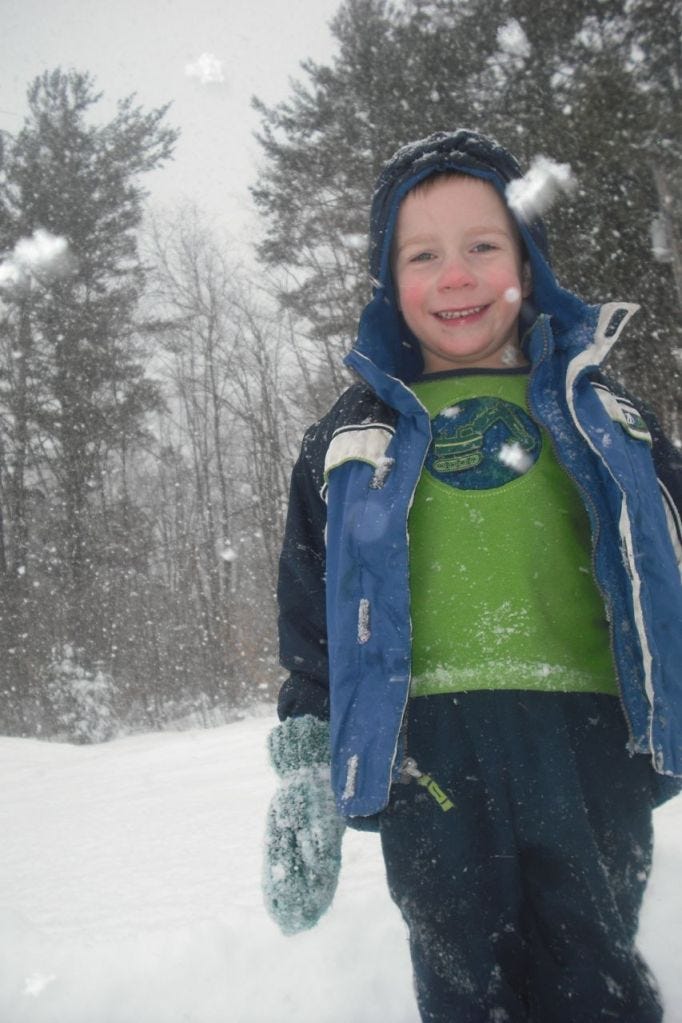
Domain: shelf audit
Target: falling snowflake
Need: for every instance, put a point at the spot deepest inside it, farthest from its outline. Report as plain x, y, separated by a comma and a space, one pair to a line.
207, 68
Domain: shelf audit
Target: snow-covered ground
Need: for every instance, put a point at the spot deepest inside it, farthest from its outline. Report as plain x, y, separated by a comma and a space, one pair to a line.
129, 893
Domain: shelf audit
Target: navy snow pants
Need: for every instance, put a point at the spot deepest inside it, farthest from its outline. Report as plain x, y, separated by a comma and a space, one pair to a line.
522, 898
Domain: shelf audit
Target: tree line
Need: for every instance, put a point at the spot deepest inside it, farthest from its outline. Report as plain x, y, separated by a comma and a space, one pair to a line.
152, 398
145, 436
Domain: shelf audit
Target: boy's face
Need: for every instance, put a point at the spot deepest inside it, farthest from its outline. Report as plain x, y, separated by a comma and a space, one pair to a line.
459, 274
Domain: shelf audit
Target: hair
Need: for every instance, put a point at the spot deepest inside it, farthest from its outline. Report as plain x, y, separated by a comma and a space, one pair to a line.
427, 183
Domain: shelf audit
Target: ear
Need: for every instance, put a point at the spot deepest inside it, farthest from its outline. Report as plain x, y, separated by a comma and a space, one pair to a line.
526, 279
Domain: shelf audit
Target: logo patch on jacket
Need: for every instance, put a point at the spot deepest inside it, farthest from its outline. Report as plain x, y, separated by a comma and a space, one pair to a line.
482, 443
622, 411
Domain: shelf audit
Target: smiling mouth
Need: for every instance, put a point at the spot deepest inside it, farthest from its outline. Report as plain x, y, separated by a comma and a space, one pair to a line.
459, 314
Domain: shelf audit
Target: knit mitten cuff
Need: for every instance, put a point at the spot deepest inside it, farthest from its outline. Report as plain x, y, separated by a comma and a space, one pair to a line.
297, 743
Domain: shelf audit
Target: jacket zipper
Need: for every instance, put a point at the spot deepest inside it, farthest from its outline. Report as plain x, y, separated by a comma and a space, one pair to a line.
403, 732
594, 532
401, 738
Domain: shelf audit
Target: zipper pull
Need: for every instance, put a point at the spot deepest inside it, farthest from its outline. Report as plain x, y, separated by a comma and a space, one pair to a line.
409, 770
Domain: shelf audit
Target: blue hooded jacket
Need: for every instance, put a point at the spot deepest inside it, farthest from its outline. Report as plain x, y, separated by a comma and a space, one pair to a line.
345, 632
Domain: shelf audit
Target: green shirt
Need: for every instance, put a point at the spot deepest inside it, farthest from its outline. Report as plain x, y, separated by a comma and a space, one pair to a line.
502, 590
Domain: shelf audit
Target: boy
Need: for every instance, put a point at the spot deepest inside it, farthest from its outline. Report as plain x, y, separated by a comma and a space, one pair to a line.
480, 590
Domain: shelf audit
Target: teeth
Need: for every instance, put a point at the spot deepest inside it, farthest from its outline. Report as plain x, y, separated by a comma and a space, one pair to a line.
460, 313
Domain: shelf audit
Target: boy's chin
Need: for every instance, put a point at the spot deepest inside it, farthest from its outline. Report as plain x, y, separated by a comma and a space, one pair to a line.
508, 356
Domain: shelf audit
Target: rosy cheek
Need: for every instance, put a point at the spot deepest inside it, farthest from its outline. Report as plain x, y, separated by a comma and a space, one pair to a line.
509, 286
411, 296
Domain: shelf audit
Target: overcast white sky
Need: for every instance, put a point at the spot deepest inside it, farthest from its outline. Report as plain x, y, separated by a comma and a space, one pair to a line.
145, 46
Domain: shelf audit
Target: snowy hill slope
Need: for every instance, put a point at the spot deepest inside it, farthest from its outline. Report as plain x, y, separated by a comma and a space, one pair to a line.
129, 893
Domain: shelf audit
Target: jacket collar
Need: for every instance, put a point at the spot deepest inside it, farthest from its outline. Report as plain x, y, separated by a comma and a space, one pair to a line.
586, 342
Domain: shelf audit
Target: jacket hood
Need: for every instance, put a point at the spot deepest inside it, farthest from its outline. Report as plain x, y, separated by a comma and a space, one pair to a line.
383, 336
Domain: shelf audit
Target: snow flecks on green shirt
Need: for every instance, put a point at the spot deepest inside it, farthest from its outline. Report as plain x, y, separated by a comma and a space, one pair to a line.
502, 591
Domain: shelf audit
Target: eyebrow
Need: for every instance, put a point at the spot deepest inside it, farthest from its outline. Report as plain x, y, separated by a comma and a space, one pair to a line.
422, 239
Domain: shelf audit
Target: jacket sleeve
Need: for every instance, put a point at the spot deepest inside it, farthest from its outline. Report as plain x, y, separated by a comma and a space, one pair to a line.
301, 589
667, 463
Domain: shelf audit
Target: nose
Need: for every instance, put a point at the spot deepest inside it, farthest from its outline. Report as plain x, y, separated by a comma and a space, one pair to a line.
455, 273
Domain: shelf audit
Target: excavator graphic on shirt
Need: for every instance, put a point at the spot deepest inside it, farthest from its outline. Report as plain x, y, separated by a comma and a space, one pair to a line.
462, 438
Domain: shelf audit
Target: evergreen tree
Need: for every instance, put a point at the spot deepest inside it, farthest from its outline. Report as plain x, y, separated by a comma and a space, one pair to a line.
72, 388
595, 86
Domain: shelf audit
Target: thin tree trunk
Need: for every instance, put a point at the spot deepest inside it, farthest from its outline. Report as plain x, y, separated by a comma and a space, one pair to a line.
666, 206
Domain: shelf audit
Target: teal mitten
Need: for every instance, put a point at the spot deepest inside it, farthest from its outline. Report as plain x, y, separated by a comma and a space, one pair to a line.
303, 832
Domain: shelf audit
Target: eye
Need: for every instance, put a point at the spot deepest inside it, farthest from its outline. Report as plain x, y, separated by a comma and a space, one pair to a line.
485, 247
422, 257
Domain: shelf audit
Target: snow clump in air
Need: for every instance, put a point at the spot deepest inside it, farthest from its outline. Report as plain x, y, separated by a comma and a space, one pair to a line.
515, 457
43, 251
44, 256
36, 983
512, 40
535, 192
207, 68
